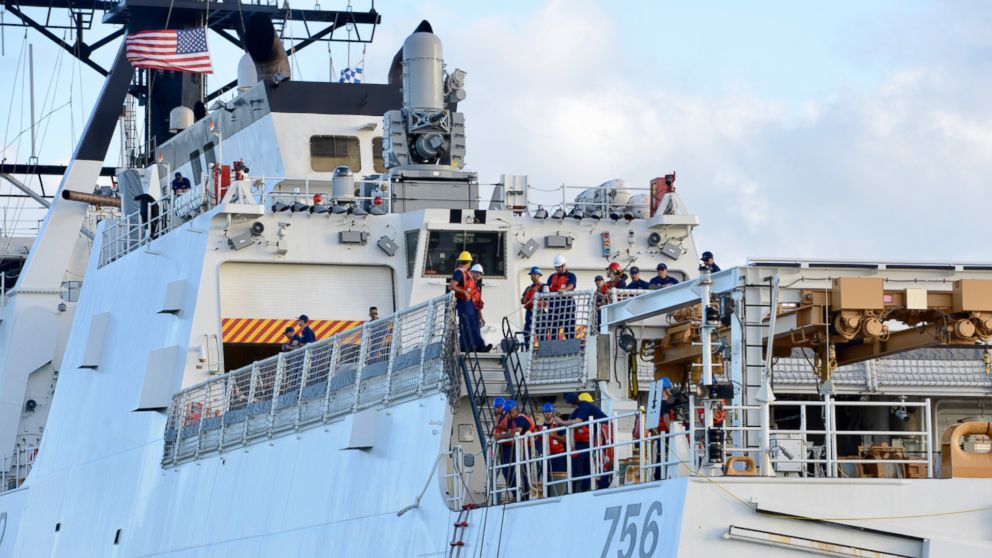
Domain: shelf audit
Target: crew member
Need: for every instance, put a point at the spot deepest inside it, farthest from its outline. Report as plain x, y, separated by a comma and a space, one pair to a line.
635, 279
615, 277
556, 440
476, 272
464, 287
663, 279
561, 313
518, 424
527, 300
180, 184
665, 421
373, 313
708, 262
581, 459
602, 291
306, 334
500, 426
292, 339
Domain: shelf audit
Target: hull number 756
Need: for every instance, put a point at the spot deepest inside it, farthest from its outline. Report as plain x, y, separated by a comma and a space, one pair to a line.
629, 543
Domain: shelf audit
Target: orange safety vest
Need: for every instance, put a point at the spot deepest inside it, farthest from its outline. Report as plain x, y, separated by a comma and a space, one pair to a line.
467, 283
558, 282
555, 445
529, 293
582, 433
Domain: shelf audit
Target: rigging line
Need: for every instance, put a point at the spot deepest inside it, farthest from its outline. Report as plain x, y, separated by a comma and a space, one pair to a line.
13, 89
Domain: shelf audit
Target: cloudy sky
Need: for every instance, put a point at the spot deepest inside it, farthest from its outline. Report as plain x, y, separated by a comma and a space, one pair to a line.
849, 130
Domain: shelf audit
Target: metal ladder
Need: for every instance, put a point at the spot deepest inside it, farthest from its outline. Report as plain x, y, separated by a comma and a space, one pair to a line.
513, 371
457, 542
475, 385
760, 328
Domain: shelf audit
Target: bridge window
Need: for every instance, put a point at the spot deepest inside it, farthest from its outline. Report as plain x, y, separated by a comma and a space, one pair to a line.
411, 251
328, 152
443, 247
378, 162
194, 160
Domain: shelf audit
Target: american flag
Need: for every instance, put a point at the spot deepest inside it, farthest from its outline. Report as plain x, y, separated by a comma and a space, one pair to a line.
182, 50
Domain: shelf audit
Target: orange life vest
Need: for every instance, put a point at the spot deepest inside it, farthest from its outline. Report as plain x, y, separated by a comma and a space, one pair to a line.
554, 445
558, 282
529, 293
467, 283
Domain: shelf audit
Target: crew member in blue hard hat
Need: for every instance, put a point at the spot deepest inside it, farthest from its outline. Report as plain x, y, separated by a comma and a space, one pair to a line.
708, 262
663, 279
527, 299
306, 334
556, 440
500, 427
518, 424
635, 279
584, 410
464, 287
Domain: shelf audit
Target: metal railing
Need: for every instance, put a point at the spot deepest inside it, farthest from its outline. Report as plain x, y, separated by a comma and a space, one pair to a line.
126, 234
16, 468
406, 355
563, 323
831, 464
304, 189
518, 468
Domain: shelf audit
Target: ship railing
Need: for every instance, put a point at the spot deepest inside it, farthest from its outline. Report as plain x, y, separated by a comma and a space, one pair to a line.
562, 337
379, 363
288, 191
587, 201
16, 468
125, 234
609, 458
818, 446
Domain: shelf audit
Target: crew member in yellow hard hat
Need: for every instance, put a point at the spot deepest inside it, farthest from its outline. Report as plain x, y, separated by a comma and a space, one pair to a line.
464, 287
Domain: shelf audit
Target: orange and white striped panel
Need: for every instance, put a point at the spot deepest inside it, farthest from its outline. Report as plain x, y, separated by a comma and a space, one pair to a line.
261, 330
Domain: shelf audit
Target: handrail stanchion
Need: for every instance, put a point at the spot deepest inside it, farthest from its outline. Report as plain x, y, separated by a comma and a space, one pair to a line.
692, 435
929, 437
644, 452
516, 464
545, 452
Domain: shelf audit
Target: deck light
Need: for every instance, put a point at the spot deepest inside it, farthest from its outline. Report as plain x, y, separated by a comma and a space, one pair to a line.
558, 214
541, 213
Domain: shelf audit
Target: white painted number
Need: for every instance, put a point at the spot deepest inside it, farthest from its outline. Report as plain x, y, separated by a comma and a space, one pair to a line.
629, 530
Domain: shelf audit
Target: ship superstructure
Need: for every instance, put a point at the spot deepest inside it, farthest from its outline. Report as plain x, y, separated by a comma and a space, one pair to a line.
817, 404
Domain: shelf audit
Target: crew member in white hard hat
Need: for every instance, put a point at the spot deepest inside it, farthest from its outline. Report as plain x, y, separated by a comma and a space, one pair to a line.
560, 319
476, 271
463, 285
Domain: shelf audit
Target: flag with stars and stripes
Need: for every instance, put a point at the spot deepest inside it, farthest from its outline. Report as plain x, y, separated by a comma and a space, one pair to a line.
351, 75
180, 50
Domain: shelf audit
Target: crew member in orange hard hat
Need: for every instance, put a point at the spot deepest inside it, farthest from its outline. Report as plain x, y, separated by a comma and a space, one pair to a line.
464, 287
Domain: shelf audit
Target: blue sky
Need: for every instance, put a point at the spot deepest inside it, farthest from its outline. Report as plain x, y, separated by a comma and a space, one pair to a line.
848, 129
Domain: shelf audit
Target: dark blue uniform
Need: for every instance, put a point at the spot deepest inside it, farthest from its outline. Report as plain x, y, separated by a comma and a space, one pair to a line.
714, 268
470, 332
639, 284
658, 282
307, 336
581, 462
181, 183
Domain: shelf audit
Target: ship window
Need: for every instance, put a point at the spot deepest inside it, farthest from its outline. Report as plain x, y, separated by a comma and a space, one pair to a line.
443, 247
194, 159
411, 251
378, 163
328, 152
210, 154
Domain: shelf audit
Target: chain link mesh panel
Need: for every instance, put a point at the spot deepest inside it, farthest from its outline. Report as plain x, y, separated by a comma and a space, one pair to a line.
562, 326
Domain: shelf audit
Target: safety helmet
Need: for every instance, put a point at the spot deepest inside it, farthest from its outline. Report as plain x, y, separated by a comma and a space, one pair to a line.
585, 397
535, 271
510, 404
558, 261
615, 266
465, 256
548, 408
666, 383
477, 268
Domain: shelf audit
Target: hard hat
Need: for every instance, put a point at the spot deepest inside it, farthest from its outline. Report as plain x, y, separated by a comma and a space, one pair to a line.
558, 261
615, 266
634, 270
477, 268
585, 397
535, 271
498, 403
661, 266
666, 383
510, 404
548, 408
465, 256
571, 398
706, 255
